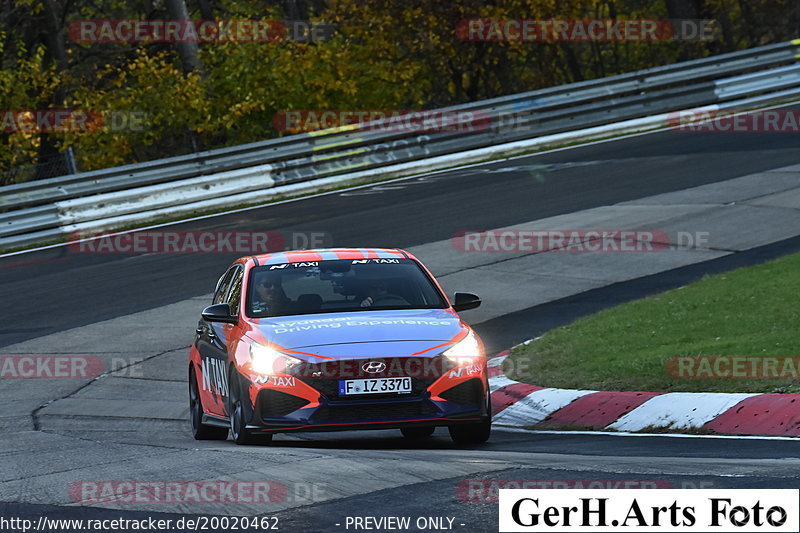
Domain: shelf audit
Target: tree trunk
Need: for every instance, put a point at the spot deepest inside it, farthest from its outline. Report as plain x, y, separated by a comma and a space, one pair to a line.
188, 52
206, 11
54, 39
680, 9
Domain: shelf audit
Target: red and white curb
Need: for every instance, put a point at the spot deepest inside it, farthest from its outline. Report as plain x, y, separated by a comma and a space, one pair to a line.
516, 404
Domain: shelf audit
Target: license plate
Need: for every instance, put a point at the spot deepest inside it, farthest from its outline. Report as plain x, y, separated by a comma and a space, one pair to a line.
374, 386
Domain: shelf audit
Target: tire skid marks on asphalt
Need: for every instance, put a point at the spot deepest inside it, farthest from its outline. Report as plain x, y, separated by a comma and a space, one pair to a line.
392, 185
537, 171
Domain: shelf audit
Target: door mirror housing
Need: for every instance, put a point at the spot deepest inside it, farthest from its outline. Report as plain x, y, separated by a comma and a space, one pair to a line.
219, 313
465, 300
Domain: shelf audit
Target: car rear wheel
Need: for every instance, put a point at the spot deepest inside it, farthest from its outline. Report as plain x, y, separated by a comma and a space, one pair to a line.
239, 432
201, 431
418, 432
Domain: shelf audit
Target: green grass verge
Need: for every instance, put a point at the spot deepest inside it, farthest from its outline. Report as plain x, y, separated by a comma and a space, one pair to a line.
752, 311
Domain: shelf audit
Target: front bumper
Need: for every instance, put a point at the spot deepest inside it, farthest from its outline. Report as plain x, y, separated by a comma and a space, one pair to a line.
315, 405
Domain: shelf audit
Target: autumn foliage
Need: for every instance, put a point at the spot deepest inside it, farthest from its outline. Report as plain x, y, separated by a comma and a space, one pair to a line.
156, 99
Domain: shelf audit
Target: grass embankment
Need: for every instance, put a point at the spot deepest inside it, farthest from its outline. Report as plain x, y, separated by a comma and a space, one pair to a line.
749, 312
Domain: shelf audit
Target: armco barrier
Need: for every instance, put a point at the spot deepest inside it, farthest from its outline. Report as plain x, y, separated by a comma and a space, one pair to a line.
49, 209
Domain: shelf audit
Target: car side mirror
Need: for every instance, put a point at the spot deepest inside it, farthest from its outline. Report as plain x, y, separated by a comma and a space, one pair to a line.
465, 300
219, 313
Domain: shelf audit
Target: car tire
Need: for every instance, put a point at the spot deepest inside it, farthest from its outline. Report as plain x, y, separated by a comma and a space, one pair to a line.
238, 421
201, 431
418, 432
476, 433
471, 433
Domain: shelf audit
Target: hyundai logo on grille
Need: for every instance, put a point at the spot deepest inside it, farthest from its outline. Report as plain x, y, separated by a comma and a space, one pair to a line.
373, 367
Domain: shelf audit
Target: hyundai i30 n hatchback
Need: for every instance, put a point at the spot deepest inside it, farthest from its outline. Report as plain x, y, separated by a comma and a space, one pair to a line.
345, 339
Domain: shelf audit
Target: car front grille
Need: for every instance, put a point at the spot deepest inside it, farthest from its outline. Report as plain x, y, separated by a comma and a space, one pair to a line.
325, 377
330, 389
376, 411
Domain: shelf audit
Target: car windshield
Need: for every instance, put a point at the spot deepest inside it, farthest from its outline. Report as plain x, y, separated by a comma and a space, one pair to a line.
342, 285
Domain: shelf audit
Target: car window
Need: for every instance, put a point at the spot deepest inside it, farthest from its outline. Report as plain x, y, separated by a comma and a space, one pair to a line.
339, 286
235, 292
222, 287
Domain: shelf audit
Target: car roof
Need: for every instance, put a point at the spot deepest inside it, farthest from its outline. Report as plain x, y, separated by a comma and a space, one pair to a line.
326, 254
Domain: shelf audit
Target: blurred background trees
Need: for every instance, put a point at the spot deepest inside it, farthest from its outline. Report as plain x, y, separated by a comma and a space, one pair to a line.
384, 54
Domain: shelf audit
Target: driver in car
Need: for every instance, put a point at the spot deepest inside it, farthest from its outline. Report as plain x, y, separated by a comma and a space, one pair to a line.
376, 291
379, 295
269, 296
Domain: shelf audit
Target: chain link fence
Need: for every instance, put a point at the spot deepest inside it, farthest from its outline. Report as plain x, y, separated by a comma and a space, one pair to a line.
48, 167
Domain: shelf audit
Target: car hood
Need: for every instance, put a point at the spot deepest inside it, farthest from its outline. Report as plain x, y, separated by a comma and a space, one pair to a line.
361, 333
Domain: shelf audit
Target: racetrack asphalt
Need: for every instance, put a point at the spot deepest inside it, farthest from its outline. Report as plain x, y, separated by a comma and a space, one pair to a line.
53, 291
56, 289
538, 459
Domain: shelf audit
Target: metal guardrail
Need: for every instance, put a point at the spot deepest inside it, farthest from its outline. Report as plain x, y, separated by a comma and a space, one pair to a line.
41, 210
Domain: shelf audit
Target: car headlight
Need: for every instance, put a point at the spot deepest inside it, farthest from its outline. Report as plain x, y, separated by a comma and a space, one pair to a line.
465, 351
266, 360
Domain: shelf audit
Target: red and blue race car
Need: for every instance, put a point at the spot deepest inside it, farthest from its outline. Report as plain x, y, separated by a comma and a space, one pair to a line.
321, 340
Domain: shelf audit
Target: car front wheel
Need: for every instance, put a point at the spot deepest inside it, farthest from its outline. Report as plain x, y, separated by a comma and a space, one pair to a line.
238, 418
471, 433
476, 433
